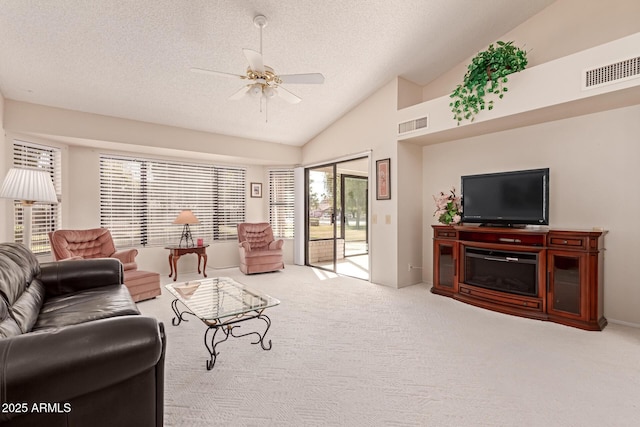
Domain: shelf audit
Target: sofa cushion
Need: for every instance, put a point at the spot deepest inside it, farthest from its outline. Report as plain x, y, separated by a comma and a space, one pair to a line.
26, 309
18, 267
8, 325
85, 306
21, 295
265, 256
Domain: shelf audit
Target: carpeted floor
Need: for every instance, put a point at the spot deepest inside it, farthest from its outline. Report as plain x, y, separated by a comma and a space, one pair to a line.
350, 353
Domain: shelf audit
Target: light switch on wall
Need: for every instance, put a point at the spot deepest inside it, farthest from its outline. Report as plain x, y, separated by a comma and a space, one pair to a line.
387, 219
374, 218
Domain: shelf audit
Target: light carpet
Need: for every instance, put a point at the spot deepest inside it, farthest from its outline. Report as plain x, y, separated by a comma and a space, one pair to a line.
350, 353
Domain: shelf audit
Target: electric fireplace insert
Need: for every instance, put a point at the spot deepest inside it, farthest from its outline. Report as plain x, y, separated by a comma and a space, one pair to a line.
504, 271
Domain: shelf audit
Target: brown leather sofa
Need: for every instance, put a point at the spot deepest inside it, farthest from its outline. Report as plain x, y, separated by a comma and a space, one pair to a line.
259, 251
98, 243
74, 349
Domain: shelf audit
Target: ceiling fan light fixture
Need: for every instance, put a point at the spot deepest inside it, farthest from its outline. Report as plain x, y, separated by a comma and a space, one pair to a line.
262, 82
255, 90
269, 92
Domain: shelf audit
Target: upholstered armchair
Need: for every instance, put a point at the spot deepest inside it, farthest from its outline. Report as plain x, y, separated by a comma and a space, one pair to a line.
98, 243
93, 243
259, 251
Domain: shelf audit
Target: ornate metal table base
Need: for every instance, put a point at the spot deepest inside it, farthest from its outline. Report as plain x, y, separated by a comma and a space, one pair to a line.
227, 329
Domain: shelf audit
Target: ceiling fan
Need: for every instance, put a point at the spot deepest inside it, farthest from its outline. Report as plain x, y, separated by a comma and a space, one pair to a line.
262, 81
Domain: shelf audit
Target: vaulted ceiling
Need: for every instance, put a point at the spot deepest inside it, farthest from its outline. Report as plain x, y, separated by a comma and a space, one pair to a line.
132, 59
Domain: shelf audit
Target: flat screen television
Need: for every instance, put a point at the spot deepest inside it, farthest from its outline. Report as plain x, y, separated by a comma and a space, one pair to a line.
514, 198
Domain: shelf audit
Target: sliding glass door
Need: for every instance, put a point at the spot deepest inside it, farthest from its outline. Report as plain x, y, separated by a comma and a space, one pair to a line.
337, 217
321, 213
354, 203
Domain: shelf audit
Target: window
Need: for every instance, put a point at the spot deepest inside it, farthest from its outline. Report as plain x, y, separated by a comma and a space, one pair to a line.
140, 199
45, 217
281, 202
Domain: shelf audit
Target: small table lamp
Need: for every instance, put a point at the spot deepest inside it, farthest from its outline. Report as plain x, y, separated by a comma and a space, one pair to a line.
186, 217
29, 186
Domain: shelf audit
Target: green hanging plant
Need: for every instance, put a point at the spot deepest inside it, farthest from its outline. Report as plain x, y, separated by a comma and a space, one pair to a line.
486, 75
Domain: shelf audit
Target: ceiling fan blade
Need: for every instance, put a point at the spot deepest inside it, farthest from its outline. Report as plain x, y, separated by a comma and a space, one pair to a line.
310, 78
255, 60
217, 73
288, 96
240, 93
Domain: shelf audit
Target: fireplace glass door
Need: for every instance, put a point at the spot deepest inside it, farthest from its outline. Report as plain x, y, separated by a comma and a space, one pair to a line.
504, 271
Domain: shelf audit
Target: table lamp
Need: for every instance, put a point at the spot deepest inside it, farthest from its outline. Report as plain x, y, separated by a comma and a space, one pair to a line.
186, 217
29, 186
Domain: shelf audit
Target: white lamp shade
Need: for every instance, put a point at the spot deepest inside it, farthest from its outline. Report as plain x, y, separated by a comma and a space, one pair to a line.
186, 217
28, 185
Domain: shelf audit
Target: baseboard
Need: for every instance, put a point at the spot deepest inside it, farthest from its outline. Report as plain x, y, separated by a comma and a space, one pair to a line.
621, 322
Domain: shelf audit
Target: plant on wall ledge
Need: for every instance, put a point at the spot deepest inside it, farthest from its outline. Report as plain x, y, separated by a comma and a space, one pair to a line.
486, 75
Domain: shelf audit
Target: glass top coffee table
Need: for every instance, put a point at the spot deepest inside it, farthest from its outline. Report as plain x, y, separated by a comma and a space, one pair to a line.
221, 303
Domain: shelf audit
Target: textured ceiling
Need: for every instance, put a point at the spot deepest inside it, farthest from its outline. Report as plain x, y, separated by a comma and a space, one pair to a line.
131, 59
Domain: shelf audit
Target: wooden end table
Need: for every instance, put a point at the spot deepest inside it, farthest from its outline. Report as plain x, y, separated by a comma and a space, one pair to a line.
175, 252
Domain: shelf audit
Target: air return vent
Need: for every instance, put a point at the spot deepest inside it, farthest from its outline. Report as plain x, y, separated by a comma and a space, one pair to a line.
411, 125
612, 73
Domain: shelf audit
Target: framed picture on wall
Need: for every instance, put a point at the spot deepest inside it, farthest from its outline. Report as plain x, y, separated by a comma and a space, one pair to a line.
383, 179
256, 189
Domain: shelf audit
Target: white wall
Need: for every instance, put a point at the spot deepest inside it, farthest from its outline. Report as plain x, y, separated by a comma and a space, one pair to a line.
563, 28
594, 175
369, 126
409, 214
79, 128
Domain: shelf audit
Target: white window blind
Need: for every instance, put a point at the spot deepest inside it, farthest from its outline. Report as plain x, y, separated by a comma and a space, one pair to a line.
281, 202
229, 202
122, 204
45, 217
140, 199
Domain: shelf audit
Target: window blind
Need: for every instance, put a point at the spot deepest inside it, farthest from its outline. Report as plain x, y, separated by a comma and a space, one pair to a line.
281, 202
45, 217
229, 202
140, 199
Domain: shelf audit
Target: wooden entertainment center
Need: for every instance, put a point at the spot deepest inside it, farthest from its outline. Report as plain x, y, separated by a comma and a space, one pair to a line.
541, 273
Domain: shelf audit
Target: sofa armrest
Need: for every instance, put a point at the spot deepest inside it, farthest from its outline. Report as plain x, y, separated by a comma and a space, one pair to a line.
63, 364
276, 244
245, 245
63, 277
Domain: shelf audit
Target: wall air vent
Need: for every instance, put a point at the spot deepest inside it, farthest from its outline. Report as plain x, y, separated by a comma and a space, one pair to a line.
411, 125
612, 73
